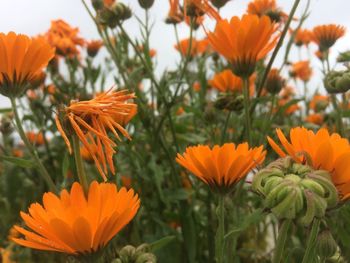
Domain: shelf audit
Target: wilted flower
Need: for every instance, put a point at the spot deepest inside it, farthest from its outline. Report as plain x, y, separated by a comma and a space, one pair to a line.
222, 166
75, 224
19, 69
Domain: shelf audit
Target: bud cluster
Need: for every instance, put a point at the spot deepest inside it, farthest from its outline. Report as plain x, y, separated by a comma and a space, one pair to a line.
295, 191
111, 15
337, 81
140, 254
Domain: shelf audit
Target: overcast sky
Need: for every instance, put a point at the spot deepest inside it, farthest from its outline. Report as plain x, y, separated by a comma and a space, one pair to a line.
33, 17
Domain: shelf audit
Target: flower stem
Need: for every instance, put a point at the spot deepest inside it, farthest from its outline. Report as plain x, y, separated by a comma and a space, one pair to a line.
220, 234
44, 173
311, 241
79, 164
338, 116
281, 241
246, 109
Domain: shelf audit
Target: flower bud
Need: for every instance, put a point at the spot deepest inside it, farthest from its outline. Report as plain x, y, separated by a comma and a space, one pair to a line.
337, 81
146, 258
295, 191
146, 4
97, 4
219, 3
127, 254
229, 102
274, 82
326, 246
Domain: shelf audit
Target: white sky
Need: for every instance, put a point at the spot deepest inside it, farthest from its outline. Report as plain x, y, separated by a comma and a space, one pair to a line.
33, 17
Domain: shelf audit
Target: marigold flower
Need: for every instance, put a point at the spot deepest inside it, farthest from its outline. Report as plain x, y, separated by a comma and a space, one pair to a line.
74, 224
303, 37
65, 38
266, 7
301, 70
222, 166
320, 150
226, 81
315, 118
22, 61
175, 15
325, 36
243, 41
91, 120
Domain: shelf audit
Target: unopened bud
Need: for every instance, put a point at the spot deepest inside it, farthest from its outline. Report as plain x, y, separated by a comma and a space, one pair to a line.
219, 3
97, 4
326, 246
274, 82
146, 4
337, 81
229, 102
146, 258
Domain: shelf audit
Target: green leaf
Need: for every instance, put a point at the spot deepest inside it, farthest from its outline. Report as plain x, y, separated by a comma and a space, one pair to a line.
18, 161
5, 110
156, 245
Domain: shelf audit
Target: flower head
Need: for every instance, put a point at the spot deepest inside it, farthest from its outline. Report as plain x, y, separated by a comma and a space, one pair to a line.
198, 47
64, 38
197, 8
22, 61
35, 138
320, 150
325, 36
73, 224
268, 8
301, 70
303, 37
315, 118
93, 47
91, 120
222, 166
243, 41
319, 102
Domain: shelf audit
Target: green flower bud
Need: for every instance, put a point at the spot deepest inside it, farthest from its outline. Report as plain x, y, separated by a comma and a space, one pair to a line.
146, 258
142, 249
146, 4
97, 4
295, 191
127, 254
344, 57
229, 102
326, 246
337, 81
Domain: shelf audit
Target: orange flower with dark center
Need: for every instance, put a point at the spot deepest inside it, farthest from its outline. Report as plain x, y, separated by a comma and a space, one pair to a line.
320, 150
266, 7
22, 61
65, 38
91, 120
315, 118
303, 37
325, 36
198, 47
73, 224
93, 47
222, 166
301, 70
226, 81
243, 41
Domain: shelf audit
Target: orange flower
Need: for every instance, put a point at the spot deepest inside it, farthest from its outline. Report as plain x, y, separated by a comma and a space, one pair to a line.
198, 47
303, 37
319, 150
17, 153
315, 118
108, 3
65, 38
73, 224
35, 138
289, 110
274, 82
180, 111
175, 15
221, 167
126, 181
90, 120
266, 7
243, 41
226, 81
325, 36
319, 102
301, 70
93, 47
197, 8
22, 61
196, 86
287, 92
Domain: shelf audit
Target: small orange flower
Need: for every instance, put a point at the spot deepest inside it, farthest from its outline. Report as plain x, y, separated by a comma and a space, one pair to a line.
35, 138
226, 81
289, 110
65, 38
198, 47
199, 8
266, 7
175, 15
320, 150
17, 153
93, 47
180, 111
22, 61
303, 37
90, 120
319, 102
315, 118
301, 70
222, 166
325, 36
243, 41
196, 86
73, 224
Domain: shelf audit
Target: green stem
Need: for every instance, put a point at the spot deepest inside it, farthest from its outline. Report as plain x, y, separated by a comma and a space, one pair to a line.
223, 135
246, 109
44, 173
281, 241
311, 241
220, 234
79, 164
338, 115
